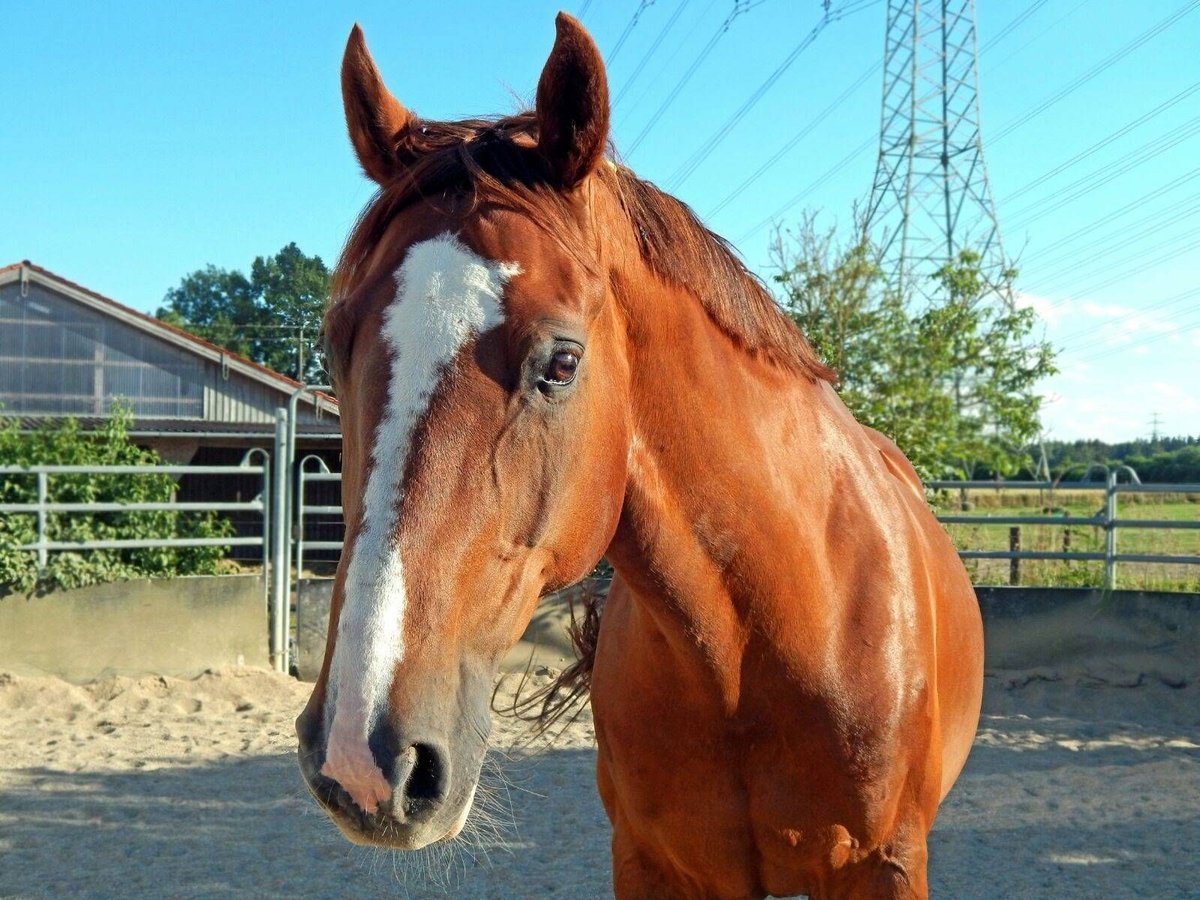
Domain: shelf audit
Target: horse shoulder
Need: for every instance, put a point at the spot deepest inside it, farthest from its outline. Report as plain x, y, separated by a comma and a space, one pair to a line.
895, 460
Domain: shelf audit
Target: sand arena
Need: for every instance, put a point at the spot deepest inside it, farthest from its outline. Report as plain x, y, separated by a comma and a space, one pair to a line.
1079, 785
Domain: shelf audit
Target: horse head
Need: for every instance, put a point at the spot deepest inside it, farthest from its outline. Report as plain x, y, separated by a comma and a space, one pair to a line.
483, 381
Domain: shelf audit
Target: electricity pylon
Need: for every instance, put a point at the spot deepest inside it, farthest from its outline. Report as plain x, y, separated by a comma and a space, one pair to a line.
931, 198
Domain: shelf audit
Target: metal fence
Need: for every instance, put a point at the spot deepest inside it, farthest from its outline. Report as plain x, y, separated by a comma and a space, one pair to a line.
255, 462
286, 514
311, 470
1106, 519
43, 507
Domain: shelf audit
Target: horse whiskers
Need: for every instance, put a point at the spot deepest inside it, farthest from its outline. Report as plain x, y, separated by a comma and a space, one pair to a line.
491, 825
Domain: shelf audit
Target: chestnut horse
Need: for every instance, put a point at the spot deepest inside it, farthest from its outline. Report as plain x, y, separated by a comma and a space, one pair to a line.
542, 359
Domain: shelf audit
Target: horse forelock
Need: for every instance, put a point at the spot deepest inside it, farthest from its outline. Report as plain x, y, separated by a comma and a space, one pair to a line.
455, 166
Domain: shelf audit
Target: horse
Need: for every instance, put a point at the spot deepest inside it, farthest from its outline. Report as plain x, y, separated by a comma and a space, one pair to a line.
543, 360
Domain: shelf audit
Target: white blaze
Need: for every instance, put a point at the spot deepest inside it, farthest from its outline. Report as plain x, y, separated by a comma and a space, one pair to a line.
445, 296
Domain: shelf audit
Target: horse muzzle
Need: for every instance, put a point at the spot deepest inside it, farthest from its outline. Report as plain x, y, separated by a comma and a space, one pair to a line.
397, 792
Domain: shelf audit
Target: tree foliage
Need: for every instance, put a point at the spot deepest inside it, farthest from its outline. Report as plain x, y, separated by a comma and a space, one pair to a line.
951, 380
65, 444
271, 316
1166, 460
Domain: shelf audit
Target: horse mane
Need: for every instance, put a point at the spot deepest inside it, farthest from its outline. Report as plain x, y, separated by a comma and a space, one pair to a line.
497, 159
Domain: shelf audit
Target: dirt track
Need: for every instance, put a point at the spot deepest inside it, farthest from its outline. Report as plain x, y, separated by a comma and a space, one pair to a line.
151, 788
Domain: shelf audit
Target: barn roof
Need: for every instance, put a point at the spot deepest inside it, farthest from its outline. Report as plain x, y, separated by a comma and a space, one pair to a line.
25, 272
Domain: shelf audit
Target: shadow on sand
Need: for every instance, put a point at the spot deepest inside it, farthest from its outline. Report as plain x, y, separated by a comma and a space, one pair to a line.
247, 828
1033, 816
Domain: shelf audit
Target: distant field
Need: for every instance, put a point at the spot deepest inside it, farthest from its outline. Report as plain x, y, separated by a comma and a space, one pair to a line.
1079, 538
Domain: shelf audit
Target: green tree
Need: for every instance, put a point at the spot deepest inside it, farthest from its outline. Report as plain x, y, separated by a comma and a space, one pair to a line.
64, 444
271, 316
952, 380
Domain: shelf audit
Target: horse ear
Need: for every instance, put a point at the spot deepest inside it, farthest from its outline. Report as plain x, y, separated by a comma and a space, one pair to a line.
374, 117
572, 104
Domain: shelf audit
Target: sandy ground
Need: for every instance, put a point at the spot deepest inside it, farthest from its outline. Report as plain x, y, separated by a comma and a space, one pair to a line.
155, 787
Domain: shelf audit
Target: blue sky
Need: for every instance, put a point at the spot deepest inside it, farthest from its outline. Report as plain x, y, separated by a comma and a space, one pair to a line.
146, 140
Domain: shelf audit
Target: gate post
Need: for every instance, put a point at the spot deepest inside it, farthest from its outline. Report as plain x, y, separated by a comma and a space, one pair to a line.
279, 538
1014, 562
1110, 533
43, 492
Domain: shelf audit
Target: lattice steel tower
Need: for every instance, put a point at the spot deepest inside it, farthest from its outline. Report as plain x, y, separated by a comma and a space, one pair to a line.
931, 198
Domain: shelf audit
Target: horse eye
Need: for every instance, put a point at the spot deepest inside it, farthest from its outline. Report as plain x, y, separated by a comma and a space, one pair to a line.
561, 368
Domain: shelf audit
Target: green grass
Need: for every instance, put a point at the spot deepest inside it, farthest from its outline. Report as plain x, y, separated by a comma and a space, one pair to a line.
1080, 538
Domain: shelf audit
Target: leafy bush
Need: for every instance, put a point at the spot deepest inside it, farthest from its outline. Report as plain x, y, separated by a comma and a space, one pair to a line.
65, 444
951, 378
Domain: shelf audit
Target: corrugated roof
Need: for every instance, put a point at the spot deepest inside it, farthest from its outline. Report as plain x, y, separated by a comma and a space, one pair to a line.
178, 336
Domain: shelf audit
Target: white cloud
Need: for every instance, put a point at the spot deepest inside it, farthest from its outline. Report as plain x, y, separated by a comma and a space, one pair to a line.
1049, 311
1114, 401
1103, 310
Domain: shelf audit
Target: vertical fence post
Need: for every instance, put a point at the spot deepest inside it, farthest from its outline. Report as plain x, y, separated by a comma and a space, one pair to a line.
267, 500
1110, 533
279, 537
1014, 546
43, 491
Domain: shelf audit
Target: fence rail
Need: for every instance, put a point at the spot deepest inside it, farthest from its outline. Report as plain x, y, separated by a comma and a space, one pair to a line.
255, 462
43, 507
1105, 519
285, 513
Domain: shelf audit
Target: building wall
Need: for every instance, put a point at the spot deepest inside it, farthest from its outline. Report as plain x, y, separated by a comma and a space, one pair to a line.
59, 357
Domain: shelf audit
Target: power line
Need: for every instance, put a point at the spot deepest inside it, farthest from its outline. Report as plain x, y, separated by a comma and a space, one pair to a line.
311, 326
796, 139
662, 35
1136, 203
829, 173
1013, 25
1119, 133
1071, 339
1106, 173
852, 156
1128, 236
1067, 15
740, 7
1134, 231
702, 153
679, 46
637, 14
1172, 251
1107, 352
1106, 63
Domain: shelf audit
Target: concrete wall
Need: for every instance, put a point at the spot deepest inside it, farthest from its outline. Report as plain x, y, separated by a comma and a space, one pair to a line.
1064, 632
1121, 638
545, 642
312, 621
177, 626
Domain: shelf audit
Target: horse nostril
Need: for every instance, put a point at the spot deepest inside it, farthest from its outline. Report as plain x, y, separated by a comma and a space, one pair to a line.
429, 781
418, 773
385, 748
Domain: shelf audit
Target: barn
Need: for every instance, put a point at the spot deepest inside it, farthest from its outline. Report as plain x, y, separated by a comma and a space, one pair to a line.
68, 351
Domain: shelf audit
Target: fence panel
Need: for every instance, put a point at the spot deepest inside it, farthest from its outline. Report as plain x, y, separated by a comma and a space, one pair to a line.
1105, 520
256, 462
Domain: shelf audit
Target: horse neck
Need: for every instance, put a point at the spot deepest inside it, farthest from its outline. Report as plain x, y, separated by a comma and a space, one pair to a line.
724, 481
